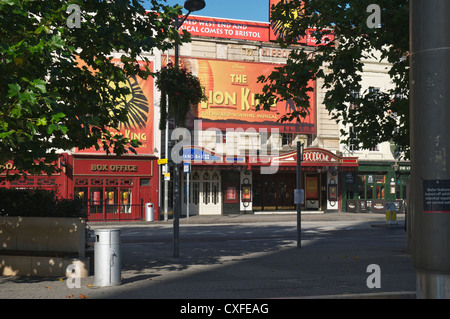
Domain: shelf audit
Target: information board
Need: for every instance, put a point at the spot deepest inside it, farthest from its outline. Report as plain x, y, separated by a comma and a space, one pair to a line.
436, 196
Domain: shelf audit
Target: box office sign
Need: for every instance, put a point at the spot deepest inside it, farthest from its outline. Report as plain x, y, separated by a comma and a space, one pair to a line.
112, 167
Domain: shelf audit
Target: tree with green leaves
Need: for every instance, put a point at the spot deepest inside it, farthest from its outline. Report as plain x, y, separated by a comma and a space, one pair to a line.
48, 102
360, 31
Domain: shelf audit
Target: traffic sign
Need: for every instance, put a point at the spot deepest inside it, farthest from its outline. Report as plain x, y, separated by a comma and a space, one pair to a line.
299, 196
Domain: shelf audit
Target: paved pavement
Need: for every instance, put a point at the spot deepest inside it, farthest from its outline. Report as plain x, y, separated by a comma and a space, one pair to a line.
332, 262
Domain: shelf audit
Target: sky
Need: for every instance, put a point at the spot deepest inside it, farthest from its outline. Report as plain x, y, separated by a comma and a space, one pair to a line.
248, 10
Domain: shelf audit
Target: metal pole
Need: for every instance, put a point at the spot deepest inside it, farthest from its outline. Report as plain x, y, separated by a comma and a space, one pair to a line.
166, 182
187, 195
430, 145
176, 177
299, 205
176, 211
176, 186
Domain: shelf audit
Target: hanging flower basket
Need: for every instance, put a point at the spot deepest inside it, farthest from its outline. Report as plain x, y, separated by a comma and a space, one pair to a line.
181, 91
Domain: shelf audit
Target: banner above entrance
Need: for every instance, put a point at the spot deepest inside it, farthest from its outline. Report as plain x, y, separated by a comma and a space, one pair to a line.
311, 157
317, 157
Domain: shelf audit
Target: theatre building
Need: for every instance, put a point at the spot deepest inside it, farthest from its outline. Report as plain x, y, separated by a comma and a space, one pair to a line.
243, 160
115, 188
239, 160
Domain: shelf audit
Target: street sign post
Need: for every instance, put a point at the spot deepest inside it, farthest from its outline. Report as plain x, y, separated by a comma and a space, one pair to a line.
187, 169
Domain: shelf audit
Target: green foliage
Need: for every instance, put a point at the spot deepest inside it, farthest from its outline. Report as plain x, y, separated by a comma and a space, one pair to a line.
183, 90
47, 101
377, 117
39, 203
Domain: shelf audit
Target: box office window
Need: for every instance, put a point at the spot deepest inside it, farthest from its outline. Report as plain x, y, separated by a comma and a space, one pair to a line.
96, 200
110, 195
111, 199
125, 200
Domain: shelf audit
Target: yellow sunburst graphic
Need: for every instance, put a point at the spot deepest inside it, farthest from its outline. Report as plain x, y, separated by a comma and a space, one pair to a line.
136, 105
281, 29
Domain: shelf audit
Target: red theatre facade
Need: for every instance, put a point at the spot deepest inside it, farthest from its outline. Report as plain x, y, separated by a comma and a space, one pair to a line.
114, 188
243, 160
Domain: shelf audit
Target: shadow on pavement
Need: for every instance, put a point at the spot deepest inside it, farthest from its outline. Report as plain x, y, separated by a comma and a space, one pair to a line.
242, 261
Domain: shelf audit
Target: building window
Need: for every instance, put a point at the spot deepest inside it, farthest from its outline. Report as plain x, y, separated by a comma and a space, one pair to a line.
112, 182
96, 181
215, 188
81, 192
380, 192
96, 200
23, 182
380, 178
355, 96
81, 181
111, 200
353, 139
287, 138
196, 188
206, 189
129, 181
374, 92
126, 200
360, 182
105, 195
46, 181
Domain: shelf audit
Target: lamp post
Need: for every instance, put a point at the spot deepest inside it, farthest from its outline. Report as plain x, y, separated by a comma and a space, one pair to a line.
191, 6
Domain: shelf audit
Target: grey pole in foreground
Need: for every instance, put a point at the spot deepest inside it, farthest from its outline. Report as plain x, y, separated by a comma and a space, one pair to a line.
191, 6
176, 178
299, 186
430, 145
